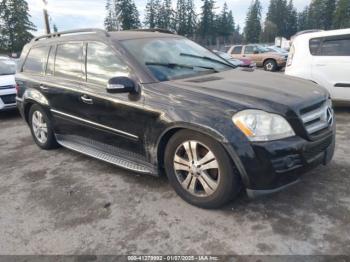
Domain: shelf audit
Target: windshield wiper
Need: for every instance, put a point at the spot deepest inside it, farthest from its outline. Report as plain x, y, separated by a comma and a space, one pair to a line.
207, 58
170, 65
174, 65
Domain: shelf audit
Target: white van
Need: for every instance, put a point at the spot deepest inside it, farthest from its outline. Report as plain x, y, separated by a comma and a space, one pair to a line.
323, 57
7, 84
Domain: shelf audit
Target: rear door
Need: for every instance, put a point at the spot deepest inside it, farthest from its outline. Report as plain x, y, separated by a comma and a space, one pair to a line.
331, 66
62, 85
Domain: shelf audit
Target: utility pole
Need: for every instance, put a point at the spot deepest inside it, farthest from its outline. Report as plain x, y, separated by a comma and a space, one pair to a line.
46, 18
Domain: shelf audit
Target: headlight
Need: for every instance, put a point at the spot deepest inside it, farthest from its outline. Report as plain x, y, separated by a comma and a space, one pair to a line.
258, 125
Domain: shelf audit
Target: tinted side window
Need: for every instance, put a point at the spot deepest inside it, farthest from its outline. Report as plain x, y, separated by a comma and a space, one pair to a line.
50, 62
36, 60
103, 64
237, 50
249, 50
315, 45
336, 47
69, 61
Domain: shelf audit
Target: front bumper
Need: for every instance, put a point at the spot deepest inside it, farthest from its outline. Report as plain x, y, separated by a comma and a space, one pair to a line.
281, 63
276, 165
7, 99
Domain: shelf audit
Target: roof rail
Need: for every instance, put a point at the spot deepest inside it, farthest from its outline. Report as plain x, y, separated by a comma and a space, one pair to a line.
154, 30
78, 31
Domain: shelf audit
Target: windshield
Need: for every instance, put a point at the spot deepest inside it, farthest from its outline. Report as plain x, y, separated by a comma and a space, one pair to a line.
263, 49
7, 67
174, 58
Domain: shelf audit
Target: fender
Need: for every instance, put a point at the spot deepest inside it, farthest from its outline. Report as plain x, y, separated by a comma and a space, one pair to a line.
32, 96
163, 138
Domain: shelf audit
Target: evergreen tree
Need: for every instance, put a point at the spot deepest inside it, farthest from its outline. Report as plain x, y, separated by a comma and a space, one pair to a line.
252, 29
128, 15
292, 20
316, 18
167, 15
151, 15
342, 14
15, 25
206, 28
55, 29
181, 17
110, 20
329, 14
303, 20
190, 18
278, 15
225, 23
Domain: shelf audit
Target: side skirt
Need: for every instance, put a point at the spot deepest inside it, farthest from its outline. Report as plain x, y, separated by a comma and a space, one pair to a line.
107, 154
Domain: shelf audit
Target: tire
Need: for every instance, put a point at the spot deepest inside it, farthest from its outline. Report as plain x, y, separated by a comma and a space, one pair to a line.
227, 181
50, 141
270, 65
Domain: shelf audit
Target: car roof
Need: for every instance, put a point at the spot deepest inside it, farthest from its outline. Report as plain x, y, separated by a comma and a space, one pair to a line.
323, 34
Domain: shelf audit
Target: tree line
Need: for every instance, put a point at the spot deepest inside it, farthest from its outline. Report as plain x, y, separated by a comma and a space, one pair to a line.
282, 18
206, 27
210, 26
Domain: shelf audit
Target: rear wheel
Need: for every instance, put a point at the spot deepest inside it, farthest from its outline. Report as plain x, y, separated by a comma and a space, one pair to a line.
41, 128
200, 170
270, 65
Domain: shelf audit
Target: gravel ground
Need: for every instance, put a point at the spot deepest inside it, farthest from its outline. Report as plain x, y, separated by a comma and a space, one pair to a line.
62, 202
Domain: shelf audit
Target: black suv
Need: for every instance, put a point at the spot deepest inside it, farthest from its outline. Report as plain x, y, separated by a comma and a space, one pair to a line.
156, 102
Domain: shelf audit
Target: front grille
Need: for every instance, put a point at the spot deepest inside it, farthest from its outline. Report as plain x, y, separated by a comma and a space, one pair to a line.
317, 117
8, 99
7, 87
316, 149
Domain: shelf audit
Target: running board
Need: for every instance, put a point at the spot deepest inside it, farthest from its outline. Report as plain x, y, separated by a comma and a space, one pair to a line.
104, 156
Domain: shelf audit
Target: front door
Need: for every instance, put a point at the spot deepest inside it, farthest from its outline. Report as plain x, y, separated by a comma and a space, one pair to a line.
115, 119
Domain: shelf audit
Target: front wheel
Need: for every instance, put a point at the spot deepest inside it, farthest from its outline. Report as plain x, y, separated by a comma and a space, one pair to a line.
200, 170
41, 128
270, 65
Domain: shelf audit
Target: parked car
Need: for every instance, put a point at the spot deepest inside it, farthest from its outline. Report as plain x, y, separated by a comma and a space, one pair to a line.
7, 84
271, 61
235, 62
159, 103
324, 58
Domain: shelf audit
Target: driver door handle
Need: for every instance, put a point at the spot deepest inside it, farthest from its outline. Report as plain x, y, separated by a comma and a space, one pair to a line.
87, 100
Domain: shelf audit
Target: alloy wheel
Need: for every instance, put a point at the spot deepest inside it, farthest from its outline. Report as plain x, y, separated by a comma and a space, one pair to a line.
197, 168
39, 127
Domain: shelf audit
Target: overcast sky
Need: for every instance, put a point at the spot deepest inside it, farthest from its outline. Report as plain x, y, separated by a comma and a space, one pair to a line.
72, 14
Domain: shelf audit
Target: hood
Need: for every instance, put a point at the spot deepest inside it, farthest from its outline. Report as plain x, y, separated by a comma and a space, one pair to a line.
7, 80
255, 89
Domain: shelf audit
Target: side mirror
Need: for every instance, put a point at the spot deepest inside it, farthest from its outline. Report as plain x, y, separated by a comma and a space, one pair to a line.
256, 52
121, 85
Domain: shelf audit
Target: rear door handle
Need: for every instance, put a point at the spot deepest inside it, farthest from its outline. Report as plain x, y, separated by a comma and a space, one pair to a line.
87, 100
